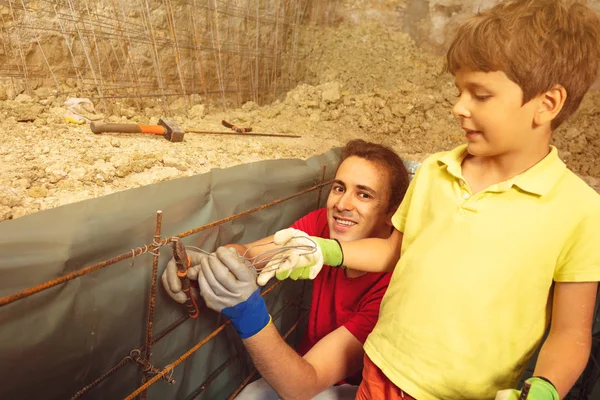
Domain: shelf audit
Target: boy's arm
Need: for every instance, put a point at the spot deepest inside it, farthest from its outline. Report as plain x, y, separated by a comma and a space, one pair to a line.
333, 358
566, 350
373, 254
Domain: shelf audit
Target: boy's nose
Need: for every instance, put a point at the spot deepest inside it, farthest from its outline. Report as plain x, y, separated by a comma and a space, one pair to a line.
460, 110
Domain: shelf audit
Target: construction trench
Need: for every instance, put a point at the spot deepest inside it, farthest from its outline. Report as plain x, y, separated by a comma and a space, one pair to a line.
82, 314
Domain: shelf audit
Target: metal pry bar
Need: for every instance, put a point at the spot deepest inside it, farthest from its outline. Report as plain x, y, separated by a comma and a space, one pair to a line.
235, 128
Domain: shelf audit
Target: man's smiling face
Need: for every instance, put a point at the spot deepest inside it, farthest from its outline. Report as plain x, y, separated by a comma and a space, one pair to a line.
358, 201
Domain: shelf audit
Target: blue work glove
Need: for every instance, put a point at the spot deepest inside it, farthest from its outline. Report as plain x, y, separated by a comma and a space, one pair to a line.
539, 389
228, 285
304, 259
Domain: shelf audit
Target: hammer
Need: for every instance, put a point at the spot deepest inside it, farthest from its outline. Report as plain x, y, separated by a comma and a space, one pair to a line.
166, 127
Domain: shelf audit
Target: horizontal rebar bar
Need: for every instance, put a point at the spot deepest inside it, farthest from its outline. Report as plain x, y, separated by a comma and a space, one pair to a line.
143, 249
188, 353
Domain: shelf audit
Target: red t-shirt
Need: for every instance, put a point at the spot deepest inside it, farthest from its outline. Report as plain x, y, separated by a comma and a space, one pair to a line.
338, 300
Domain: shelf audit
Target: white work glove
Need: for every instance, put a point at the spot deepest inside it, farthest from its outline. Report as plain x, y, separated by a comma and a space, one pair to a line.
296, 263
171, 281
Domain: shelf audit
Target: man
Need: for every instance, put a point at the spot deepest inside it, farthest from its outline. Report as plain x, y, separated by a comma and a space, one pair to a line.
370, 183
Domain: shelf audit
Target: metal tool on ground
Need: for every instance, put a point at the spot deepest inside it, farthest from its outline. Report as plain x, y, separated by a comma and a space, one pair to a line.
170, 130
166, 128
235, 128
183, 263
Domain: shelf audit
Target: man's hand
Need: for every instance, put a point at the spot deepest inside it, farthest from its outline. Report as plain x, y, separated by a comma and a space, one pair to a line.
539, 389
171, 281
228, 285
305, 260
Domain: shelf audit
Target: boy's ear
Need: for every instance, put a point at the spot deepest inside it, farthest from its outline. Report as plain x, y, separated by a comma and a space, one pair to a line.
551, 104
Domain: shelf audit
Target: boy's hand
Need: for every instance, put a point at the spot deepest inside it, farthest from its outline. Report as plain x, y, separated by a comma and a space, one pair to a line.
539, 389
305, 260
171, 281
228, 285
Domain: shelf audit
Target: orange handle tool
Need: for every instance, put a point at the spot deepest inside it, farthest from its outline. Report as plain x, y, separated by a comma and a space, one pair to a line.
183, 263
98, 127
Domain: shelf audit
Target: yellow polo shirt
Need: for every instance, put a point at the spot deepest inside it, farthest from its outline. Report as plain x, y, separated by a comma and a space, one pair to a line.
468, 305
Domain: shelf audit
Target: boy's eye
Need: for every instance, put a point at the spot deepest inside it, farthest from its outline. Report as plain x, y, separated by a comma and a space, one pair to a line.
482, 97
338, 189
364, 195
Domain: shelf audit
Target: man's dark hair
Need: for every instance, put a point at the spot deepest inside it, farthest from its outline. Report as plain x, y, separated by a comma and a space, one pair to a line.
386, 158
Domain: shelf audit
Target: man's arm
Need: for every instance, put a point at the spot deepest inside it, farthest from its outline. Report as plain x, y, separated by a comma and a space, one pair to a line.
566, 350
333, 358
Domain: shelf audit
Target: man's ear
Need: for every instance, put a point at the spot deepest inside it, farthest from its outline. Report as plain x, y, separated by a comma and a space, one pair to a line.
551, 103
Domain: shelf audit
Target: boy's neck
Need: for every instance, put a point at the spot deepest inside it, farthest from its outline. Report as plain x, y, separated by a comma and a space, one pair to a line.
483, 172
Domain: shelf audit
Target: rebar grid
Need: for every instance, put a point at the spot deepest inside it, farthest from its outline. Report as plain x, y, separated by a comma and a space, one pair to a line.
143, 249
231, 51
145, 350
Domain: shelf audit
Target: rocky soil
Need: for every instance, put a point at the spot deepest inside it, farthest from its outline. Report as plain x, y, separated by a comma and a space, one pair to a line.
371, 82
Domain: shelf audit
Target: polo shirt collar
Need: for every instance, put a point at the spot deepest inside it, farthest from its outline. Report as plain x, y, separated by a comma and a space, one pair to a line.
539, 179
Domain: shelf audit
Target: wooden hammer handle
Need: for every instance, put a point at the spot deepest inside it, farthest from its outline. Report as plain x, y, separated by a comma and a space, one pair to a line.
98, 128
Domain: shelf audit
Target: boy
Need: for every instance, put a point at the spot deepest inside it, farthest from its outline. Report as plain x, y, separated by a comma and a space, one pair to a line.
497, 239
369, 184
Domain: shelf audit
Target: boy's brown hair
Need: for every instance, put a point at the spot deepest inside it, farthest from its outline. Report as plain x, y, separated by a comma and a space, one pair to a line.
386, 158
537, 44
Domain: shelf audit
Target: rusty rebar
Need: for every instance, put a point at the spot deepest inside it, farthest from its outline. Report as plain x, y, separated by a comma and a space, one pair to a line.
323, 170
251, 375
215, 374
152, 297
123, 362
141, 250
242, 134
188, 353
99, 380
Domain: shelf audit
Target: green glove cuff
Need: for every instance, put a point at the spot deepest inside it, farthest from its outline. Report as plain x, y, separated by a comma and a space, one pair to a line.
332, 251
541, 388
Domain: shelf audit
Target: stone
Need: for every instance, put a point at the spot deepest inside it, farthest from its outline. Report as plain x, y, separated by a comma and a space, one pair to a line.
170, 161
23, 98
37, 192
153, 175
43, 92
196, 112
250, 106
55, 172
22, 183
9, 197
77, 173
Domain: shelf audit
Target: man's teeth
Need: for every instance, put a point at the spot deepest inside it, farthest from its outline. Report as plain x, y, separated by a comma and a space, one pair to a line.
345, 222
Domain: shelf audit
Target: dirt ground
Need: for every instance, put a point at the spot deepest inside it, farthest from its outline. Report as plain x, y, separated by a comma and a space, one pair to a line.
372, 83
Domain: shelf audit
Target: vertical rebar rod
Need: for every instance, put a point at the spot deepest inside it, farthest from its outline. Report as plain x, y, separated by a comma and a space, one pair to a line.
198, 51
171, 20
155, 59
323, 169
20, 47
70, 47
126, 49
84, 48
152, 297
214, 28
